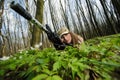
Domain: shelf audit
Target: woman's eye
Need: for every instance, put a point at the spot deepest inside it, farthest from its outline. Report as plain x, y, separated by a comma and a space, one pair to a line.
66, 34
62, 37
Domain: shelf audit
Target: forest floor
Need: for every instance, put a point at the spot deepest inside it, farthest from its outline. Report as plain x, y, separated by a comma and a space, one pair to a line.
97, 58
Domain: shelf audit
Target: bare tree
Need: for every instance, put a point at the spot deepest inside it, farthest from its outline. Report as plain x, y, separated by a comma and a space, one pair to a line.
64, 15
36, 31
111, 26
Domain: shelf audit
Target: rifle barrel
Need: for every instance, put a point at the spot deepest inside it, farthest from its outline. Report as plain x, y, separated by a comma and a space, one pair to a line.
20, 10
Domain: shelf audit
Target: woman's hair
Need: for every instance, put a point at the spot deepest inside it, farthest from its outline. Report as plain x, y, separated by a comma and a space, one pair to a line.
74, 38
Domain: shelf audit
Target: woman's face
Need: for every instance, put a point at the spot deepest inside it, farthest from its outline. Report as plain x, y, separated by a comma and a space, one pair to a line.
66, 38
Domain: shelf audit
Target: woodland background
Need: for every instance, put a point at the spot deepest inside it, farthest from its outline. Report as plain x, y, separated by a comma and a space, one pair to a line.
88, 18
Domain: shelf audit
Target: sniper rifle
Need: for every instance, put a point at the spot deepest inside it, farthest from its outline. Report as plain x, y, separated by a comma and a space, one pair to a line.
52, 36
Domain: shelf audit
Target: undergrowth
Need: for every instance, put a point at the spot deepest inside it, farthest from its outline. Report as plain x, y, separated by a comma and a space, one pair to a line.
97, 59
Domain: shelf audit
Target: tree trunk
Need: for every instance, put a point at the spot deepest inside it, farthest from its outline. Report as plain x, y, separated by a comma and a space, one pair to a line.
110, 25
36, 31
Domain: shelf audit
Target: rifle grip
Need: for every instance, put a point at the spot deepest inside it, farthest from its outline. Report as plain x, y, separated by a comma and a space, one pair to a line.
19, 9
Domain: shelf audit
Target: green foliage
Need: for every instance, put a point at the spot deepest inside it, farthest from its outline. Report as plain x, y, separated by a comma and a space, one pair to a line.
96, 59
